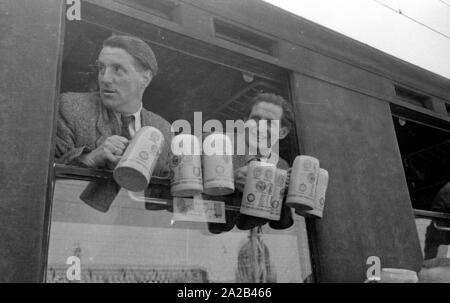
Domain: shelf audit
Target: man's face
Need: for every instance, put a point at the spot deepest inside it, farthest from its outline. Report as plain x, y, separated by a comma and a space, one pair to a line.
271, 114
121, 83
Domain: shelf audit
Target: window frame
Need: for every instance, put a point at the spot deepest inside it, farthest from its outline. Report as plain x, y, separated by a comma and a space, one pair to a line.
244, 60
429, 118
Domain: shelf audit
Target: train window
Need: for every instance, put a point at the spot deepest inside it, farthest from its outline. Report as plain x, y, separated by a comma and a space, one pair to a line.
122, 236
424, 143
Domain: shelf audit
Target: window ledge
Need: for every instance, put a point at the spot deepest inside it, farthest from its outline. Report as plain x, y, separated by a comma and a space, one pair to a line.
430, 214
91, 174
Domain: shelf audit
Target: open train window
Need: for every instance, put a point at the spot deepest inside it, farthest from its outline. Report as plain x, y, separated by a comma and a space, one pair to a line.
424, 143
138, 240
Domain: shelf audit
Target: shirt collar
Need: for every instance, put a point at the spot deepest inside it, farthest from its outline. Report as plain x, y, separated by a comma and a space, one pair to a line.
137, 115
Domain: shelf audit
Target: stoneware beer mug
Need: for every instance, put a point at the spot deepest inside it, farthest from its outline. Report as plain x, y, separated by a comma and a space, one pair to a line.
319, 200
258, 190
302, 187
218, 179
134, 170
186, 170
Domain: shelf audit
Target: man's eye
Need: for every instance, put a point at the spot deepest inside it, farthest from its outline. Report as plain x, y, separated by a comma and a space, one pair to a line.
101, 68
116, 68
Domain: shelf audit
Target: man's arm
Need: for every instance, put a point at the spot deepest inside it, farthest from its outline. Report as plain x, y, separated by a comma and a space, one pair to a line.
71, 118
66, 151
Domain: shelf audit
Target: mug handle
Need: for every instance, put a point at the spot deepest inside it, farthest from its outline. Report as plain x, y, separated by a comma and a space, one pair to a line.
438, 227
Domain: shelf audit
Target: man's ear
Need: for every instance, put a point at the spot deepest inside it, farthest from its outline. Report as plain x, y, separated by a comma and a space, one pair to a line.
284, 131
147, 77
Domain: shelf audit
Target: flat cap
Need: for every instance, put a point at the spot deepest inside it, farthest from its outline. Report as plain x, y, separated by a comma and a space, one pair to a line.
137, 48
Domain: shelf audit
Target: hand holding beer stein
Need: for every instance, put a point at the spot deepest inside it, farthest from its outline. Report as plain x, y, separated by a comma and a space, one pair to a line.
134, 170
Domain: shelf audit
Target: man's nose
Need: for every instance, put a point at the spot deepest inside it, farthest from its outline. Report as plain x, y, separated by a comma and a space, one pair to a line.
106, 76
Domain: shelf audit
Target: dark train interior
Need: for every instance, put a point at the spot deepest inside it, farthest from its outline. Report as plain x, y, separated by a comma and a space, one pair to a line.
425, 149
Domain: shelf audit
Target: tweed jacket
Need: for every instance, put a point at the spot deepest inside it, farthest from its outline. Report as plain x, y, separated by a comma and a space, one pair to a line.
84, 123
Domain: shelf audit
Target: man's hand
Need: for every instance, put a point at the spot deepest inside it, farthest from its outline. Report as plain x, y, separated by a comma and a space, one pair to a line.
107, 154
240, 176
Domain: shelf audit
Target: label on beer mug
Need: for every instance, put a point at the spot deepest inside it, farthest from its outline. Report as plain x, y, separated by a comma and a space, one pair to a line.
186, 169
218, 174
302, 187
198, 210
259, 190
134, 170
187, 176
319, 200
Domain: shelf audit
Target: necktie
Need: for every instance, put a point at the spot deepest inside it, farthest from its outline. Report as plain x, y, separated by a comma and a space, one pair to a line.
125, 130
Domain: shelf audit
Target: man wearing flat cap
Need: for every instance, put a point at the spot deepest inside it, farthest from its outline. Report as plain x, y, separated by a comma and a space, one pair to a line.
94, 129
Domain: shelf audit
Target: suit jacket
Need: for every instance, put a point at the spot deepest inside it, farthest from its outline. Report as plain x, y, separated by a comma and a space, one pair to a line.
83, 124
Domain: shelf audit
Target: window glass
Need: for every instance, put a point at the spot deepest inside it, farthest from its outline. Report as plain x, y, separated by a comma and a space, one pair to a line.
149, 236
424, 147
423, 143
135, 242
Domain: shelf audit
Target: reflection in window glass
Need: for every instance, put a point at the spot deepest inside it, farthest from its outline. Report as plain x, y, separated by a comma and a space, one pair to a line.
434, 237
131, 243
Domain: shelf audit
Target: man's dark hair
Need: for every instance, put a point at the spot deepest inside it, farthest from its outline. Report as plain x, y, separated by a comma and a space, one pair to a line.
287, 119
137, 48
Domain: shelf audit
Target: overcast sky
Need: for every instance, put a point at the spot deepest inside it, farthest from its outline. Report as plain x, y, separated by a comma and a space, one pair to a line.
420, 34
